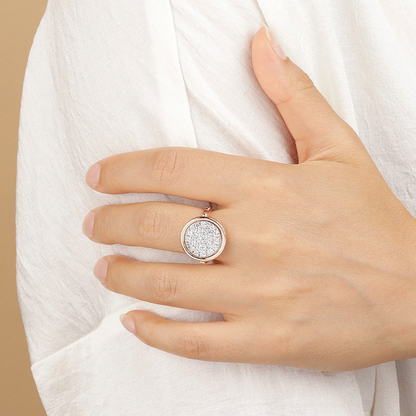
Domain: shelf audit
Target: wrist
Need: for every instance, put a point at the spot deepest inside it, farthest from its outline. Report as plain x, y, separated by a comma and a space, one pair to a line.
407, 331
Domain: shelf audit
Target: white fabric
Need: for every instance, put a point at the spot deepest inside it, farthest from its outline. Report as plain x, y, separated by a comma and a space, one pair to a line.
110, 76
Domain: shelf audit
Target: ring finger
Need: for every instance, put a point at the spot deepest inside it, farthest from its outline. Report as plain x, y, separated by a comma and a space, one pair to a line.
146, 224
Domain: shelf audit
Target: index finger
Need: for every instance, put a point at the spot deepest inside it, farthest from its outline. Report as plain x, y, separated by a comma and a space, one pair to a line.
186, 172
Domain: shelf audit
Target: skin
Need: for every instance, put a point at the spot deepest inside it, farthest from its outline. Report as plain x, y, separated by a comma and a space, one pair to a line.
319, 269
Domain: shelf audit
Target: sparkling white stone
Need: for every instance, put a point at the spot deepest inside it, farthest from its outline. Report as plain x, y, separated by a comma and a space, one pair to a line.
203, 239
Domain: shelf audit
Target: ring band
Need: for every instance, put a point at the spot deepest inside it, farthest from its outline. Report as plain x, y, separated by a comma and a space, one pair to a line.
203, 238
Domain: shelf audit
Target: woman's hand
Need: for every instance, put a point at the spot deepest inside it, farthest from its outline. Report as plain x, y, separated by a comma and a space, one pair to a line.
319, 269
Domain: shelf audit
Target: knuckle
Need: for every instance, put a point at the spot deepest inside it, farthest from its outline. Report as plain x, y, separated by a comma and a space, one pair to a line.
193, 345
301, 82
277, 183
164, 288
168, 165
270, 181
264, 242
283, 340
152, 223
286, 343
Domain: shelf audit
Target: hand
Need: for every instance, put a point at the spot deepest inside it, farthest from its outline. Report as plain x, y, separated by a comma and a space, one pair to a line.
319, 269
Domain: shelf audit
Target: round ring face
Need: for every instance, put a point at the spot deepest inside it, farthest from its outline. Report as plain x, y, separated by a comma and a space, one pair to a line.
203, 239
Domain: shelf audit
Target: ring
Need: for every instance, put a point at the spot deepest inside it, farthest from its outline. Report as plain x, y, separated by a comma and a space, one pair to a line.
203, 238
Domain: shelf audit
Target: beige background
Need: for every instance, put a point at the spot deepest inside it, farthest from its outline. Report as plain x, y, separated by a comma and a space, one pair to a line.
19, 20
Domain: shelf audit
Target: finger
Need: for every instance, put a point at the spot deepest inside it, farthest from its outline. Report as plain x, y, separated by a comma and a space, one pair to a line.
190, 286
317, 129
146, 224
220, 341
186, 172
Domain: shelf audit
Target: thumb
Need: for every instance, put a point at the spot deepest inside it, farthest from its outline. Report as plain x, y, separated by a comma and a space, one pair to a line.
317, 129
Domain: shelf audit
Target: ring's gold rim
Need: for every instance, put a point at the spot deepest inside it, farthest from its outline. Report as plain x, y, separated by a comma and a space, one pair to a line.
223, 238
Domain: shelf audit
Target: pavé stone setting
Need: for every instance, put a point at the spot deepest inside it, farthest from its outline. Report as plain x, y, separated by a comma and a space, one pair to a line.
203, 238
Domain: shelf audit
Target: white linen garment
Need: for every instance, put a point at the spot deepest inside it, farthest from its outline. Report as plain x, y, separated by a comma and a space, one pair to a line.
111, 76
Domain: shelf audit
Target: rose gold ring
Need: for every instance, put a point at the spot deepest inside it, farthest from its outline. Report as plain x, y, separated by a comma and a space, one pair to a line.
203, 238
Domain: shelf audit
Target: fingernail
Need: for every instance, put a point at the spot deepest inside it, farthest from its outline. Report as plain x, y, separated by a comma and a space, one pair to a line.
100, 270
88, 225
274, 43
93, 175
128, 323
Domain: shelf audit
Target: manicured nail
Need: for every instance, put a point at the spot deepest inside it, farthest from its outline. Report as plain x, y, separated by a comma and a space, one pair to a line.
93, 175
88, 225
274, 43
100, 270
128, 323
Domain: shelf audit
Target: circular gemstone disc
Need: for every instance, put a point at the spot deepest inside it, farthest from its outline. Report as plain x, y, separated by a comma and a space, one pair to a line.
203, 239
